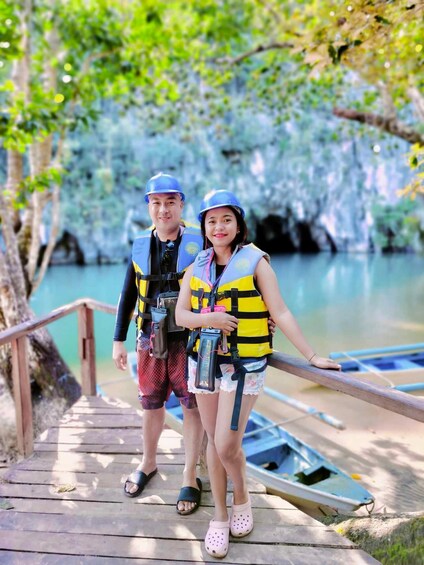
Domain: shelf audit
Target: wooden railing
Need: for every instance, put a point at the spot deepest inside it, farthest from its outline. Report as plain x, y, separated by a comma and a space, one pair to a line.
388, 398
17, 336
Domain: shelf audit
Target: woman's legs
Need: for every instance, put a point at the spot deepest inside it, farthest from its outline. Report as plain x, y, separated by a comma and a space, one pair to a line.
225, 455
208, 409
226, 458
228, 443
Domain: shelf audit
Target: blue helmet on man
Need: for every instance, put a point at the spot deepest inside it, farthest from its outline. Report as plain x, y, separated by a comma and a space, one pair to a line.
163, 184
217, 199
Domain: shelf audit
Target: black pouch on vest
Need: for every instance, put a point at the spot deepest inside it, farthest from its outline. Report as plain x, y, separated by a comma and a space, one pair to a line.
168, 300
158, 334
207, 358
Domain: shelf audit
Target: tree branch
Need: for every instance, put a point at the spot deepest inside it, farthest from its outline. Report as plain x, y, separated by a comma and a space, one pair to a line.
54, 224
255, 51
271, 10
390, 125
417, 100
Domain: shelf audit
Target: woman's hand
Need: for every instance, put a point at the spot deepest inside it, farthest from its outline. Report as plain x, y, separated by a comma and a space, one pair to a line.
324, 363
222, 321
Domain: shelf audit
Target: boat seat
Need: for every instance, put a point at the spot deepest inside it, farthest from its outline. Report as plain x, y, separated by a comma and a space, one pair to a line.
252, 447
314, 474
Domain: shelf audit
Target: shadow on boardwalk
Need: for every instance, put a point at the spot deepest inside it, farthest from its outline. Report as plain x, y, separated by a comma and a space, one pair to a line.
65, 504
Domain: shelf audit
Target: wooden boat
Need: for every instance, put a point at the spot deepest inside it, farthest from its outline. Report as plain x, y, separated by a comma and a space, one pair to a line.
284, 464
290, 468
401, 358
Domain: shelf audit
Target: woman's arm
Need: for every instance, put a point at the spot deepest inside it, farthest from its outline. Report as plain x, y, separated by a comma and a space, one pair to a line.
188, 319
268, 285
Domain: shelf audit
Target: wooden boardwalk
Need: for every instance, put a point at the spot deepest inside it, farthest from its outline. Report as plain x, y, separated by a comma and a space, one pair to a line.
65, 504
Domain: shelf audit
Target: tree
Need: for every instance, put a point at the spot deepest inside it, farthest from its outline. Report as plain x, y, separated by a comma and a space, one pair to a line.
60, 60
364, 58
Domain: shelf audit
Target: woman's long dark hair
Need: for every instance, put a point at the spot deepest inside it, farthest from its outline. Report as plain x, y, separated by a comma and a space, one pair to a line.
240, 238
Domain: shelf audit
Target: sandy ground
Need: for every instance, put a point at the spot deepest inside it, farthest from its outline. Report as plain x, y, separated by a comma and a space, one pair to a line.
385, 449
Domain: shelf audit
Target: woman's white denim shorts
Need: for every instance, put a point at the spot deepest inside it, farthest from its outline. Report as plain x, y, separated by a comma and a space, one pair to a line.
253, 383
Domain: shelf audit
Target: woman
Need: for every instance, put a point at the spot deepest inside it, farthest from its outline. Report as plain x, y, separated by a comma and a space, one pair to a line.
227, 295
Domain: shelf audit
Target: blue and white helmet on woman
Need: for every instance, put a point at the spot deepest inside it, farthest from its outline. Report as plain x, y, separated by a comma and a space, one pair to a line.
217, 199
163, 184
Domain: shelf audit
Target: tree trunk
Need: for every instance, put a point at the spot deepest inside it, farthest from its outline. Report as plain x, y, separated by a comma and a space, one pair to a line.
50, 375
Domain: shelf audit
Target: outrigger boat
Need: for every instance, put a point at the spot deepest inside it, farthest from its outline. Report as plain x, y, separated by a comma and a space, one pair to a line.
284, 464
385, 359
289, 467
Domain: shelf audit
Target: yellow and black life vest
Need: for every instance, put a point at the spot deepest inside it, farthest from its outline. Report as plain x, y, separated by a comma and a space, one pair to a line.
236, 291
190, 245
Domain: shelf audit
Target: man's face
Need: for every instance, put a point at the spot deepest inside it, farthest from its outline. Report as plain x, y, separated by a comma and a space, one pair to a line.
165, 210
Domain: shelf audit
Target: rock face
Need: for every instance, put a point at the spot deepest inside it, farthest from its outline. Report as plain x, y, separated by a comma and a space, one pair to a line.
68, 251
275, 235
306, 185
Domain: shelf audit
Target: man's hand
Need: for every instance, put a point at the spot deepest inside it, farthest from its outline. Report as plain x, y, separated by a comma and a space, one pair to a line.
272, 326
120, 355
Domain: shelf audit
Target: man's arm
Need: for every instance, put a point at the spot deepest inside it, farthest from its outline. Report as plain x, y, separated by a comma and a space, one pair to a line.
125, 310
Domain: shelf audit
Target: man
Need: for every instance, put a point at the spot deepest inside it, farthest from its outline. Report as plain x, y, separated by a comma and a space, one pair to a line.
159, 258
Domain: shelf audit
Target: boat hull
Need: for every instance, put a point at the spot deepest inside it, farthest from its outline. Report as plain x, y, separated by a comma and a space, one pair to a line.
290, 468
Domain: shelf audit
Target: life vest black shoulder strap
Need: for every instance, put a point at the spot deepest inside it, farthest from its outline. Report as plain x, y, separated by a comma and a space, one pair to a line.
165, 277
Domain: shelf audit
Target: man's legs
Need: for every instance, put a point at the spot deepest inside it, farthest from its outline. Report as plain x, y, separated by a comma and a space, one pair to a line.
153, 422
193, 433
153, 387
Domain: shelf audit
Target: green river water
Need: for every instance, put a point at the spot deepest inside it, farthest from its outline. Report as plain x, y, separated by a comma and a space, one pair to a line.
342, 301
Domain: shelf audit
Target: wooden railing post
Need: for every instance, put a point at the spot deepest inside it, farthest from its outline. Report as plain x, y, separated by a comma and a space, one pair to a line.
87, 350
22, 395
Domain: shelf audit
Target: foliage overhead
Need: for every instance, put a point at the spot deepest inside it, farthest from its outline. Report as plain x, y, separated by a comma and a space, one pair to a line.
362, 59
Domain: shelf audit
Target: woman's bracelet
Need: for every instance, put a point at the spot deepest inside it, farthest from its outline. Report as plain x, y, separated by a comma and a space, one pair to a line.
314, 355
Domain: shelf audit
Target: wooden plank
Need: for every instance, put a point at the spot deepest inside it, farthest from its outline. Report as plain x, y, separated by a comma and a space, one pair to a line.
70, 461
99, 448
113, 435
25, 558
169, 478
289, 515
102, 402
99, 410
22, 395
154, 493
101, 421
180, 549
169, 528
388, 398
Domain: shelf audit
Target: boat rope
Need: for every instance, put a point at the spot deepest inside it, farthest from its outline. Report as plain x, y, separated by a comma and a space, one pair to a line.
275, 425
370, 369
370, 507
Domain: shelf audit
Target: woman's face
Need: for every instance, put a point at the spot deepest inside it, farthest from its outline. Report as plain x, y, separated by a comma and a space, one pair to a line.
221, 226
